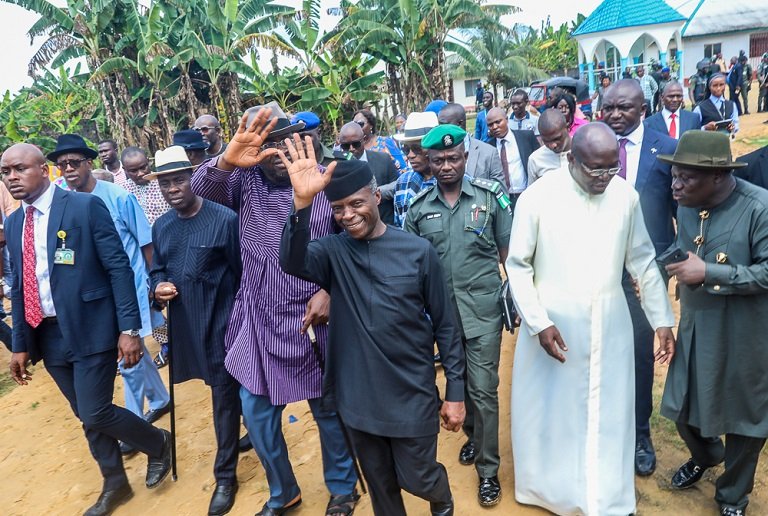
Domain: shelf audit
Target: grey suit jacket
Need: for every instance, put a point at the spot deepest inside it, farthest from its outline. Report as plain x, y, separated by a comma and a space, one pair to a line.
483, 161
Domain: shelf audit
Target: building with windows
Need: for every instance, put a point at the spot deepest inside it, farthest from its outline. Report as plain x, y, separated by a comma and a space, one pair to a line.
674, 33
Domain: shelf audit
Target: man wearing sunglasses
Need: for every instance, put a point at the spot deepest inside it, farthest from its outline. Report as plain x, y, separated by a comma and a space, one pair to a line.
575, 230
210, 129
351, 140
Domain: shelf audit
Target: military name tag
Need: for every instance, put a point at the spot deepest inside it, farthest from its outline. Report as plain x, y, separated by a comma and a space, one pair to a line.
64, 256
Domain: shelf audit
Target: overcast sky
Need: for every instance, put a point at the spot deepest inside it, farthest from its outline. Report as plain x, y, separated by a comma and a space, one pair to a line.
18, 51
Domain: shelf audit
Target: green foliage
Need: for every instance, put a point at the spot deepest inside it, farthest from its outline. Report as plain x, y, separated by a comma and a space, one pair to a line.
55, 105
550, 49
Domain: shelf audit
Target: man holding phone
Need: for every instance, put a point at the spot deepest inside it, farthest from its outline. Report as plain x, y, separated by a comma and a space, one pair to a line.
716, 383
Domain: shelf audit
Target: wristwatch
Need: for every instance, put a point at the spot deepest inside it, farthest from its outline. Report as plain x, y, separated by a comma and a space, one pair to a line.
130, 333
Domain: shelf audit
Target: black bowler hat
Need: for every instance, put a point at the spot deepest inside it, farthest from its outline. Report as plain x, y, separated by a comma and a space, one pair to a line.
189, 139
71, 143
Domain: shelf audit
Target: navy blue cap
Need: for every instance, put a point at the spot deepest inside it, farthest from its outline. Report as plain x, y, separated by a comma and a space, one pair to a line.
189, 139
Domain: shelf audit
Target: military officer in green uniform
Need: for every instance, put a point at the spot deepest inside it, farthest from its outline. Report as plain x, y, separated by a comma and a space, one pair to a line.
468, 221
717, 383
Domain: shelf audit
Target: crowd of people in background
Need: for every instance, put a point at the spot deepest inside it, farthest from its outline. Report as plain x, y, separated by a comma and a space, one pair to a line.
290, 264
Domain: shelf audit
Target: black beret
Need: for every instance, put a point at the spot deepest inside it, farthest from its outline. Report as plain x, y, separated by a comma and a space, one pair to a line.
348, 177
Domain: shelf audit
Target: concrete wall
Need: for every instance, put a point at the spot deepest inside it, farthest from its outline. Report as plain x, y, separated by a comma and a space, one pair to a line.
693, 48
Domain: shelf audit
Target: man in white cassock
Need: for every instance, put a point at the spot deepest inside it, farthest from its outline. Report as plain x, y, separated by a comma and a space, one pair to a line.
573, 402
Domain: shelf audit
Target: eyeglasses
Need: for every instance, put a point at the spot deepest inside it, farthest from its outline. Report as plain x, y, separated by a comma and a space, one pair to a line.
203, 128
354, 145
597, 172
74, 163
407, 149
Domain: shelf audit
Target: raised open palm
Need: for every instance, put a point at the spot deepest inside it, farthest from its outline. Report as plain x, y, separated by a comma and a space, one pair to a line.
306, 177
244, 150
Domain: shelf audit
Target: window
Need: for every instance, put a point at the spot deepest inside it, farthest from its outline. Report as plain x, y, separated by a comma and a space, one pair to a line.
758, 43
469, 87
712, 50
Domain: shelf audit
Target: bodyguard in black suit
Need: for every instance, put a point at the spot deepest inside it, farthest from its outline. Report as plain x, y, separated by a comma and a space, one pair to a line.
514, 152
673, 120
75, 309
756, 171
623, 105
351, 139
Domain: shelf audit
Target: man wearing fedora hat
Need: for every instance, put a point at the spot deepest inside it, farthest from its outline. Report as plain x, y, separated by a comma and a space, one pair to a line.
716, 384
197, 264
142, 380
193, 144
268, 351
70, 270
409, 184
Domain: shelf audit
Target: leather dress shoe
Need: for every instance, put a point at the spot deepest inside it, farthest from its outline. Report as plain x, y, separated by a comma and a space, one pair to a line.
468, 453
688, 474
244, 444
441, 509
726, 510
222, 500
159, 467
126, 450
489, 492
269, 511
109, 500
645, 457
152, 415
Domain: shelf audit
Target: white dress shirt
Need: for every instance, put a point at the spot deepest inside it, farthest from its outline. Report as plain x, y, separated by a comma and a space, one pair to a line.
667, 114
633, 147
42, 269
517, 177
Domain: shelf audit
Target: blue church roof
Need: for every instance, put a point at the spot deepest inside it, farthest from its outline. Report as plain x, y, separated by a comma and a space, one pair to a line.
617, 14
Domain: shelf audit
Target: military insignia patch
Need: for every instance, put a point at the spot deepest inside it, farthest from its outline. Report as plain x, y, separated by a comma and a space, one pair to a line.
448, 140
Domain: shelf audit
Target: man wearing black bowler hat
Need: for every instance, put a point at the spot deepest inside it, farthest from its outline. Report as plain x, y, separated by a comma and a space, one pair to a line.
70, 269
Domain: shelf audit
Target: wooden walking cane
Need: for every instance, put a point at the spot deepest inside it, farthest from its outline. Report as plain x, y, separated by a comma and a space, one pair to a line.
174, 476
347, 440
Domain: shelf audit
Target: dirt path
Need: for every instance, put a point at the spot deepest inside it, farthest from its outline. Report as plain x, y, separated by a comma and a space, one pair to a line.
46, 467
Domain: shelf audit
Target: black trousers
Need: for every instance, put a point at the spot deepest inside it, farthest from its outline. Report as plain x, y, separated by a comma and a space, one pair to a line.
644, 338
226, 424
740, 454
390, 464
88, 383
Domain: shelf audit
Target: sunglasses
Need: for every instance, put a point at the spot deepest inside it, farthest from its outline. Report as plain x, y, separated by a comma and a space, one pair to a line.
352, 145
74, 163
407, 149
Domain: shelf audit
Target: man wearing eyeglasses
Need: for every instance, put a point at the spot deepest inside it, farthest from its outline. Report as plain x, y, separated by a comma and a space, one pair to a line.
623, 107
351, 140
574, 231
210, 129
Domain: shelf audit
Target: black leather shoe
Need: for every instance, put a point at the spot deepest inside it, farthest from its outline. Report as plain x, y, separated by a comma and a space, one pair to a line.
441, 509
269, 511
725, 510
159, 467
489, 492
152, 415
467, 453
109, 500
245, 444
222, 500
645, 457
688, 474
127, 450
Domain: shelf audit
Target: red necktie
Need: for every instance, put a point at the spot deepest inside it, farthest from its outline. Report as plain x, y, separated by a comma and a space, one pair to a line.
623, 157
504, 163
33, 311
672, 126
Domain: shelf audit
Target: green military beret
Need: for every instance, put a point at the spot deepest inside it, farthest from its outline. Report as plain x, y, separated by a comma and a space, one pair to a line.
443, 137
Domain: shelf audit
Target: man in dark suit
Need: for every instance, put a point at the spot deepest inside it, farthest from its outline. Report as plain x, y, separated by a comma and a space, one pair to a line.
756, 171
482, 159
70, 269
514, 148
623, 106
672, 120
384, 170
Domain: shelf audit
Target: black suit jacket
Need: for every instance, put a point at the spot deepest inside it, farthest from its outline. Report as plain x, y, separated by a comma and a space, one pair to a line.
95, 298
385, 172
526, 144
757, 170
654, 185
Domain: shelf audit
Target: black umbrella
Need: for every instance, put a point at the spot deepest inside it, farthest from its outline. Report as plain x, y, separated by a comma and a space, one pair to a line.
575, 86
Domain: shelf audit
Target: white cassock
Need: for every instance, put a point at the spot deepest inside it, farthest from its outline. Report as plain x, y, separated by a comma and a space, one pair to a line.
573, 424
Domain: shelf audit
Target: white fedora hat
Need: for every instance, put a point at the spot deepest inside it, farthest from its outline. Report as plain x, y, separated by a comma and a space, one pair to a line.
172, 159
417, 125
